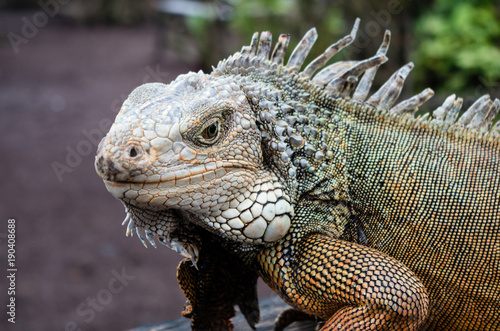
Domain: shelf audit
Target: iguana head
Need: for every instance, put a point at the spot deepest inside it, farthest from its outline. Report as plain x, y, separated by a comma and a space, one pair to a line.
193, 147
225, 150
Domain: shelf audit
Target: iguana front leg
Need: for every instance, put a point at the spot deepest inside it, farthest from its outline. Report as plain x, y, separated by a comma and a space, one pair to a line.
219, 282
350, 286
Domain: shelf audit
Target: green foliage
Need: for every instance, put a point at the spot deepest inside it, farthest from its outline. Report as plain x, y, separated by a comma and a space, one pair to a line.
291, 16
457, 47
458, 42
251, 14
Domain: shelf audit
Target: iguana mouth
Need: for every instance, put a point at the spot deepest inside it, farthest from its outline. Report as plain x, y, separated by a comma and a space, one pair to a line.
178, 179
171, 227
253, 208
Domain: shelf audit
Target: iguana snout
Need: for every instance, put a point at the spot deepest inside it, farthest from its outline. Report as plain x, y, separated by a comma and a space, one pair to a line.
122, 165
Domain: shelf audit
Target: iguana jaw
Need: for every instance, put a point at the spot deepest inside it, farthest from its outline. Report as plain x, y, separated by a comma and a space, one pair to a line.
247, 206
239, 203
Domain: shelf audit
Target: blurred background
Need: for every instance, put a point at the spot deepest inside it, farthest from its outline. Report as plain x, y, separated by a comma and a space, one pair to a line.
67, 65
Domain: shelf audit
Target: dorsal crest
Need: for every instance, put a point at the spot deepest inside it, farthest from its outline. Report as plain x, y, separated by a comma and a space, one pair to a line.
352, 80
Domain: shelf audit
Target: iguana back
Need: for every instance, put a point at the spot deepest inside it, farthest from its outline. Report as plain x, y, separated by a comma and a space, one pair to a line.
432, 201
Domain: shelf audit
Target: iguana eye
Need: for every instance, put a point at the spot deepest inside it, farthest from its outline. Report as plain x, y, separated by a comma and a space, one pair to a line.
210, 134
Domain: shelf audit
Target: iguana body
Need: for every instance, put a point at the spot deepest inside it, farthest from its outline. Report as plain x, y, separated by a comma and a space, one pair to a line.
349, 207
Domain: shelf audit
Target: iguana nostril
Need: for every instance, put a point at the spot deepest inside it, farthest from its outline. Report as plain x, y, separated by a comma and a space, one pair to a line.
134, 151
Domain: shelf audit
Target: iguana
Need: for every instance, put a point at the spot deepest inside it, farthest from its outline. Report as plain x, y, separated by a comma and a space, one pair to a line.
350, 207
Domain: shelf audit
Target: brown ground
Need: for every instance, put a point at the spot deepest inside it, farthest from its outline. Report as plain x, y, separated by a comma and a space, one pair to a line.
65, 81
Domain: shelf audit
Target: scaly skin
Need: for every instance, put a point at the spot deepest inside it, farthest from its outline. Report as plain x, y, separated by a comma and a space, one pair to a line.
350, 208
211, 301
